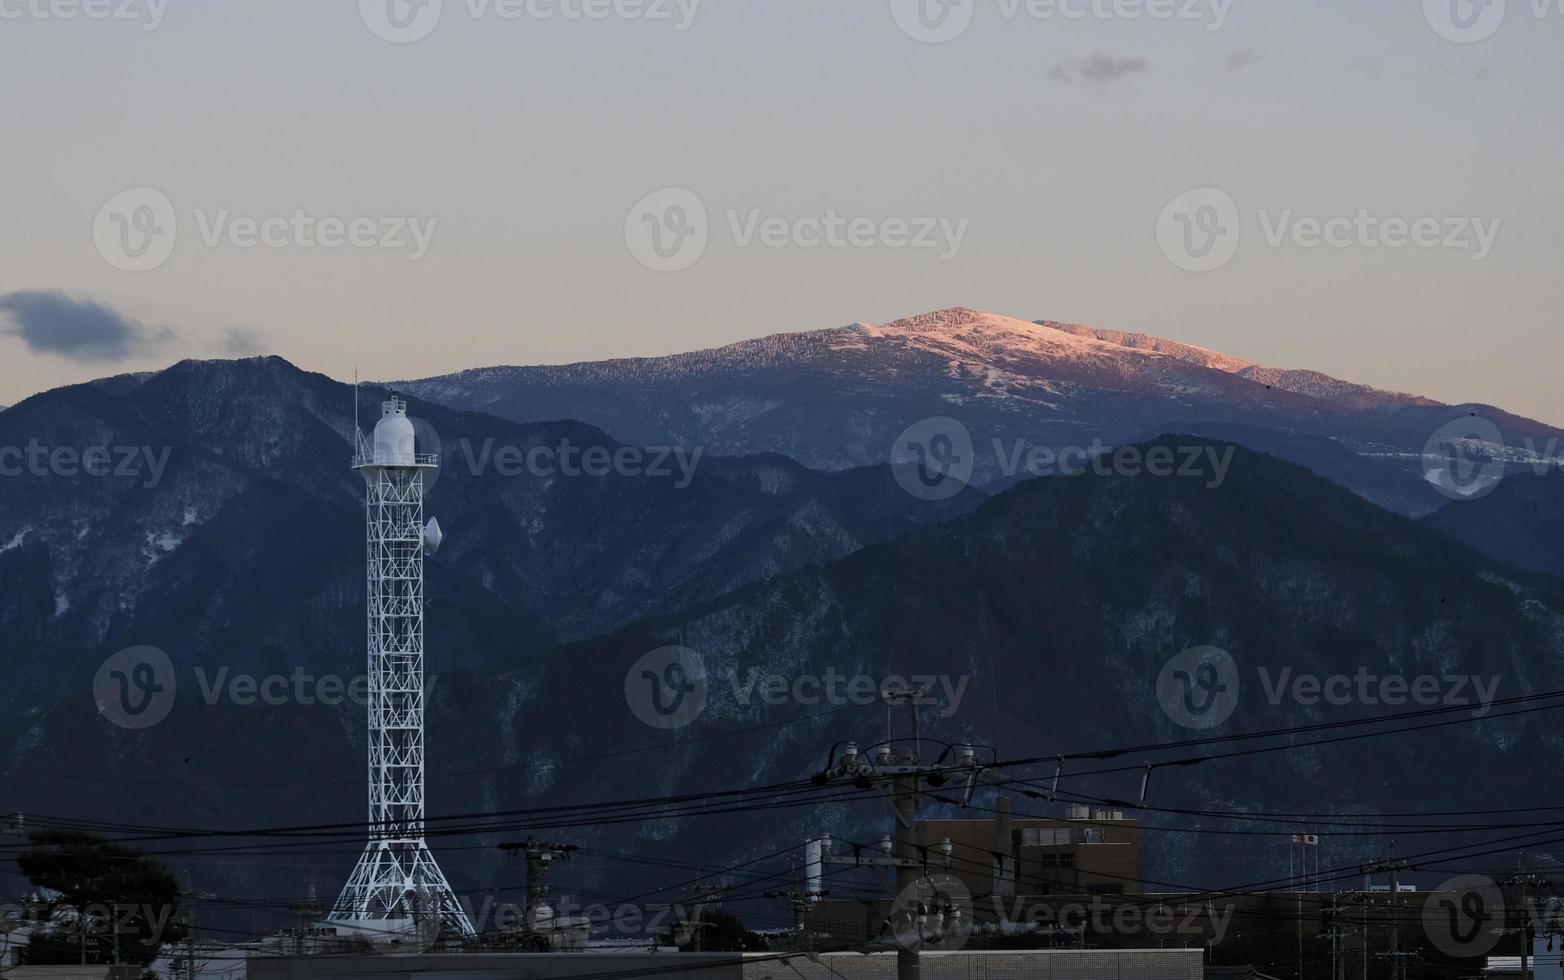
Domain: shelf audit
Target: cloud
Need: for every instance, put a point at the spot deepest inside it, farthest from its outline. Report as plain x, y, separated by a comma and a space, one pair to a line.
1099, 68
1241, 58
50, 322
240, 342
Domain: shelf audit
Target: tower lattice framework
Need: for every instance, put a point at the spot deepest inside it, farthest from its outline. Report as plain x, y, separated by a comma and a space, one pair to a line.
397, 878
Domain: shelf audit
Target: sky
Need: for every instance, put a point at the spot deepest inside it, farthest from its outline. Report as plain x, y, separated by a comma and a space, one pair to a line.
411, 187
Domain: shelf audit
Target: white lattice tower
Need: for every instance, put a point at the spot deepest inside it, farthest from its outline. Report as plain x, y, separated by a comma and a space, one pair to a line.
397, 879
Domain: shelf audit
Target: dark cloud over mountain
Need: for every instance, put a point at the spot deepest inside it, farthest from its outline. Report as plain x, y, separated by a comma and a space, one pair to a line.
50, 322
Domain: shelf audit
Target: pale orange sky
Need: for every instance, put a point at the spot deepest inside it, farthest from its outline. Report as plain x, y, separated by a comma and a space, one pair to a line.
1058, 142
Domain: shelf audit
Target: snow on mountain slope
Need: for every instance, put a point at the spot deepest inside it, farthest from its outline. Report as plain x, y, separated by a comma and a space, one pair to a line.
1311, 383
843, 397
973, 353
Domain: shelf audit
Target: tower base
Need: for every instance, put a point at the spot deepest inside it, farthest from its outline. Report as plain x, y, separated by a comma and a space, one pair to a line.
399, 882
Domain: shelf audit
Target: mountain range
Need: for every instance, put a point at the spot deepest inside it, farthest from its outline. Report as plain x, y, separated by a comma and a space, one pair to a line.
1050, 606
843, 397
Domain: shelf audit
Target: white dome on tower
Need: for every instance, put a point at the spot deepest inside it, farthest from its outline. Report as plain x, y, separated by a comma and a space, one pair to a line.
394, 442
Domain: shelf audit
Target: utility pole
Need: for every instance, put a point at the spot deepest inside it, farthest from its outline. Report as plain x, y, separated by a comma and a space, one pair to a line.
1394, 867
190, 923
800, 900
540, 858
306, 912
711, 895
1524, 880
1335, 941
1365, 929
896, 769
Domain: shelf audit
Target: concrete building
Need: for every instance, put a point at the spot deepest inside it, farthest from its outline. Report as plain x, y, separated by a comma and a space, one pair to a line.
1087, 852
1169, 964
